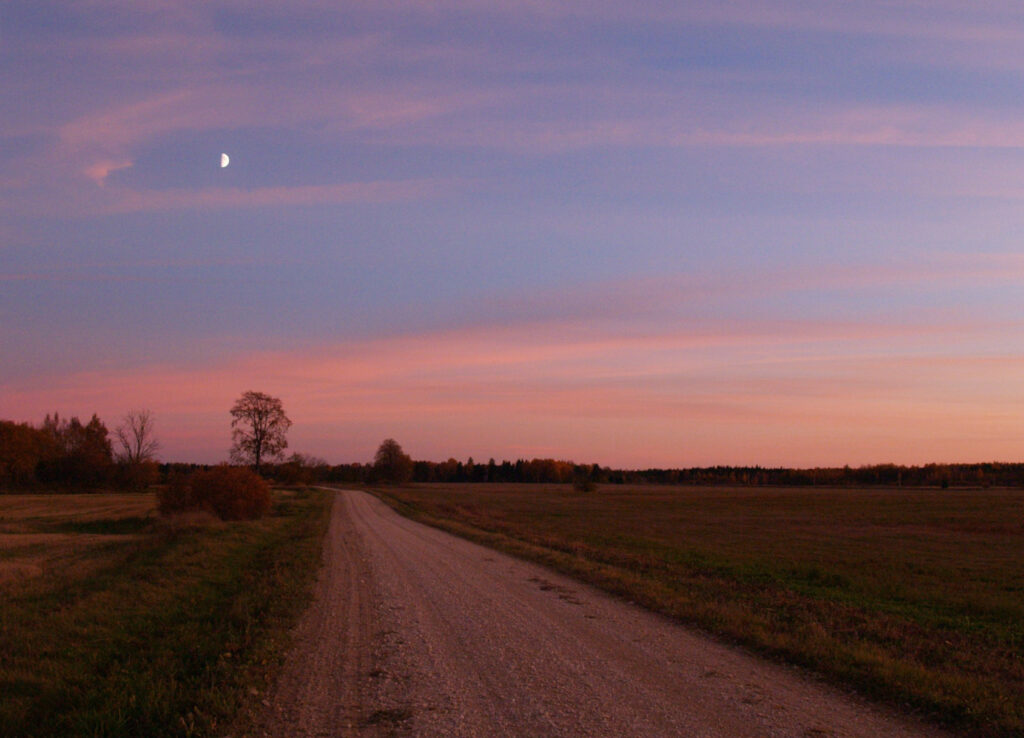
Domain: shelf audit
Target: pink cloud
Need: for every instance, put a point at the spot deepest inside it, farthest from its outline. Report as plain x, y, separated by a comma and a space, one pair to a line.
228, 197
99, 171
90, 144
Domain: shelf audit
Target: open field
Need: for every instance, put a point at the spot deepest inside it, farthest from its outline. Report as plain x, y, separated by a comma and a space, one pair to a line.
58, 533
914, 597
115, 623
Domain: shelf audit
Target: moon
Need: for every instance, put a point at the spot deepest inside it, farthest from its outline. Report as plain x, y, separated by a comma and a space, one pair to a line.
224, 160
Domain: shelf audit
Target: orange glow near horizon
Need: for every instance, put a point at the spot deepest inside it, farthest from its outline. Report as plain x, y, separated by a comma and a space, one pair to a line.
659, 400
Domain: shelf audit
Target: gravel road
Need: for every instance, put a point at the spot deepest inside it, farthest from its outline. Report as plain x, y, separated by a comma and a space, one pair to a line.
417, 633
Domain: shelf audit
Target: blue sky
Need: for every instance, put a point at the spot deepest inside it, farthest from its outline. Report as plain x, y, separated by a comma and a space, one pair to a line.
776, 233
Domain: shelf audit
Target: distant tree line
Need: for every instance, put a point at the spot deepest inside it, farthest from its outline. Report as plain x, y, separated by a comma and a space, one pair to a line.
65, 453
392, 465
986, 474
552, 471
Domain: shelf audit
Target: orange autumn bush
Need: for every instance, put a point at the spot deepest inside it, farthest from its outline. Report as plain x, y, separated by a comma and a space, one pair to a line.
230, 493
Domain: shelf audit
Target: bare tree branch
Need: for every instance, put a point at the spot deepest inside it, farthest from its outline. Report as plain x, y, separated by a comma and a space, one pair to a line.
136, 437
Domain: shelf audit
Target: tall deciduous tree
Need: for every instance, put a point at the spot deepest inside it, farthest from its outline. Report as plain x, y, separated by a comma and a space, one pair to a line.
136, 437
392, 464
259, 425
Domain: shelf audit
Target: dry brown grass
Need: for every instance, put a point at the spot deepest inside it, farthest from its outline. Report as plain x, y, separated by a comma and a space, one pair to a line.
64, 534
15, 509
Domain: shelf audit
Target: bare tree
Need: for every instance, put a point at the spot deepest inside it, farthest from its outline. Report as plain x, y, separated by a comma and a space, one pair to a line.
136, 437
258, 427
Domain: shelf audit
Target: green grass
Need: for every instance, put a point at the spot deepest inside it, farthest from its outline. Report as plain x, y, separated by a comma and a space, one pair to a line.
156, 630
913, 597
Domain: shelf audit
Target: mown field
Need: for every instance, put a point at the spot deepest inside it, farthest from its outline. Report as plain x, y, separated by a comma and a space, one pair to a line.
913, 597
116, 623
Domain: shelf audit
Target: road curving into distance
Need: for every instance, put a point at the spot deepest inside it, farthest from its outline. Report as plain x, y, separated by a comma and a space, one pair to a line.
415, 632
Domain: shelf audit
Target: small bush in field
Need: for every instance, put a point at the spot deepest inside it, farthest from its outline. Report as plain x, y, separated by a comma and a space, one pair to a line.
230, 493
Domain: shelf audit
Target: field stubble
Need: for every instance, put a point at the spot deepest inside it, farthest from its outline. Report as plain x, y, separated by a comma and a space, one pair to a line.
915, 597
59, 533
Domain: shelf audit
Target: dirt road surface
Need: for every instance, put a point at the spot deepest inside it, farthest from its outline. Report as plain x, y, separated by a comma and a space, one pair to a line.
417, 633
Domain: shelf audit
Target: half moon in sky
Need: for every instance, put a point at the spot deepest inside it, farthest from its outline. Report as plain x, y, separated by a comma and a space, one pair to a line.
224, 160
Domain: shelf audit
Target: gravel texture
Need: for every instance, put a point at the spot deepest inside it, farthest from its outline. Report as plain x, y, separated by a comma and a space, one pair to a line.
415, 632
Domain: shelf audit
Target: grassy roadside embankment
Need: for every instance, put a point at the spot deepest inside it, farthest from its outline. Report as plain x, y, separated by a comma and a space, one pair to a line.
113, 623
913, 597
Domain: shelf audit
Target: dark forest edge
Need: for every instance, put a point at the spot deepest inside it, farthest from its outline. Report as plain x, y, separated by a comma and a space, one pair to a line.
71, 455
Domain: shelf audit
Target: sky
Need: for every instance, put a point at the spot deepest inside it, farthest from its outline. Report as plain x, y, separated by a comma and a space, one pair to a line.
638, 234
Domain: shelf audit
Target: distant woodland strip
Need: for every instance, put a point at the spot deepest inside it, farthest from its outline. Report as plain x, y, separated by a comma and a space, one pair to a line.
68, 454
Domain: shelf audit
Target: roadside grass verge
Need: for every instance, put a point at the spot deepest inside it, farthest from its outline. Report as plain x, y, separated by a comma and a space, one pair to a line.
132, 626
912, 597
